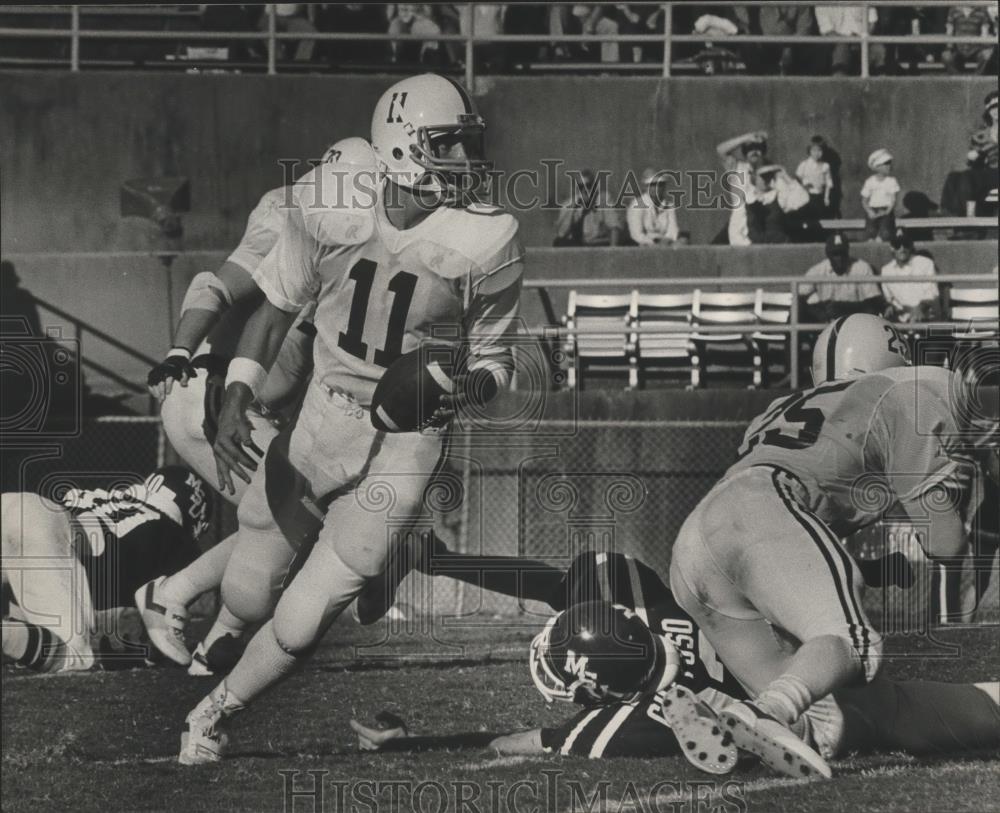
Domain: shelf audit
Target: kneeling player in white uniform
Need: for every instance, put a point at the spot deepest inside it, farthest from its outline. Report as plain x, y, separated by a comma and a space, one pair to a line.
392, 269
213, 313
63, 562
658, 693
759, 564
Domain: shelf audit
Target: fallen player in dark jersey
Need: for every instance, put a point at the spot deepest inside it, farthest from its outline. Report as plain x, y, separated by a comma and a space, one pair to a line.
67, 563
916, 717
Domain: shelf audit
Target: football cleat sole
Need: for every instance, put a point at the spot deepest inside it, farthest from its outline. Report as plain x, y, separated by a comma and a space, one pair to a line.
163, 625
772, 743
700, 735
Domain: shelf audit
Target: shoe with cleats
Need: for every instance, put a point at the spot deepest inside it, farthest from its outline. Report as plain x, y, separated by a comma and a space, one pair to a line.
165, 621
773, 743
700, 735
204, 741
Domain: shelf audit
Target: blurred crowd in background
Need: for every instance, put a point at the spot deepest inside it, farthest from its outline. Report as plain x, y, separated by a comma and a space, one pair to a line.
543, 19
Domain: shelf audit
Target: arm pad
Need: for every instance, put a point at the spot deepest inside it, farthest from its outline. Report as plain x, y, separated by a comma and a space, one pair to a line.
208, 293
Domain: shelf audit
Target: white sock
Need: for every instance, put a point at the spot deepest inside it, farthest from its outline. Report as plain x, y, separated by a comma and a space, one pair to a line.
785, 698
263, 665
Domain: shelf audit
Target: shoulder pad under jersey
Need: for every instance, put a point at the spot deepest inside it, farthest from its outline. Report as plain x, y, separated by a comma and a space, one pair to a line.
337, 203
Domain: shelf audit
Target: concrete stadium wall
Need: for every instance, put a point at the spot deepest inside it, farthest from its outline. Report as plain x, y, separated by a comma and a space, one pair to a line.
71, 139
122, 307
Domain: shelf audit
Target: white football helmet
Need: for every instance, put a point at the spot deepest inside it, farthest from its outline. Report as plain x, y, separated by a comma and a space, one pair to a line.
355, 151
857, 344
415, 127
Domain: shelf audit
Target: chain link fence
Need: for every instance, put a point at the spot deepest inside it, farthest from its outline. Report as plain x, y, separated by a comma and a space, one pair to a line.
567, 487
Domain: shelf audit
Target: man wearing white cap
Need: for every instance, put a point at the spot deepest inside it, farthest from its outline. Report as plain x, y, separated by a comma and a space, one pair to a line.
651, 219
878, 197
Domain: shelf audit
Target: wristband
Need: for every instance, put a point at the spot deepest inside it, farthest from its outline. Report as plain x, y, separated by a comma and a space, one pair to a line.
246, 371
180, 351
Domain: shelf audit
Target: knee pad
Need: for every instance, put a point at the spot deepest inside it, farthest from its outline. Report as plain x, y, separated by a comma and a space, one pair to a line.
317, 595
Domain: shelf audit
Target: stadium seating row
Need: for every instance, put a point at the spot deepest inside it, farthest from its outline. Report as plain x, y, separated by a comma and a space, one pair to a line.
619, 331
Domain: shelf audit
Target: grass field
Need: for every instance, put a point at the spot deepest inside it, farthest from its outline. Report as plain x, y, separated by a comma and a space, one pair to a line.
108, 740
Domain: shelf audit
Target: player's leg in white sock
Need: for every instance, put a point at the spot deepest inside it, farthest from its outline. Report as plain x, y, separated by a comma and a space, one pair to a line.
317, 595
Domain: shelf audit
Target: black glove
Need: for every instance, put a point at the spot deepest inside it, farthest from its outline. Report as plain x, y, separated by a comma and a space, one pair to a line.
175, 366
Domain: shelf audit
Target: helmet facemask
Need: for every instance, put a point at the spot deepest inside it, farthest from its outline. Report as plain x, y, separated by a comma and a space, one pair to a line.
455, 177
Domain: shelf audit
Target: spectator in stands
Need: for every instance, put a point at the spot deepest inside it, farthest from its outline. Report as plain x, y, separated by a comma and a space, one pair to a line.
449, 20
715, 59
486, 19
914, 301
815, 175
587, 219
967, 193
765, 216
291, 17
409, 18
845, 20
822, 302
742, 165
652, 221
967, 21
360, 18
878, 197
777, 21
617, 18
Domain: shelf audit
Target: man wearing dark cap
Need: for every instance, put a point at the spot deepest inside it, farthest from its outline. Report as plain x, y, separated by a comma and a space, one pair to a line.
910, 301
824, 302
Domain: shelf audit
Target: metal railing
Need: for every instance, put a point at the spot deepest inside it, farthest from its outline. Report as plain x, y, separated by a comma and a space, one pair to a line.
794, 328
667, 37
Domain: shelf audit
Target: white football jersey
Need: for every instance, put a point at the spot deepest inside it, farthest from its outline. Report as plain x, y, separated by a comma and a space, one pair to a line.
262, 229
861, 446
455, 276
258, 239
294, 360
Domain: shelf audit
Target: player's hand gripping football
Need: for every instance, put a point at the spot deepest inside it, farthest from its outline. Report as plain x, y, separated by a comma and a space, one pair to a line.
477, 388
387, 727
175, 367
233, 439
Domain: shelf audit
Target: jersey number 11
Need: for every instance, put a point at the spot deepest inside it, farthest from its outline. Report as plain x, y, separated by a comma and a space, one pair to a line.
402, 286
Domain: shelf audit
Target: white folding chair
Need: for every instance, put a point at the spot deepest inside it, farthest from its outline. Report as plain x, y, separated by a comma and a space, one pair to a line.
661, 350
725, 308
770, 308
613, 315
975, 308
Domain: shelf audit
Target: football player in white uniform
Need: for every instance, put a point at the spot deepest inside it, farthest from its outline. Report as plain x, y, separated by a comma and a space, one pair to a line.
759, 564
213, 313
65, 562
389, 267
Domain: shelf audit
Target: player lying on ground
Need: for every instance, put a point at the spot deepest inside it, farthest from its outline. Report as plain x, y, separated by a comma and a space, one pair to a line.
213, 313
762, 552
64, 562
406, 264
652, 685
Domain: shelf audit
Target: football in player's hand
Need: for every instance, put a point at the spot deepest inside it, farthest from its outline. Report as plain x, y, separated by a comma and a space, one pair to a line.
410, 391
